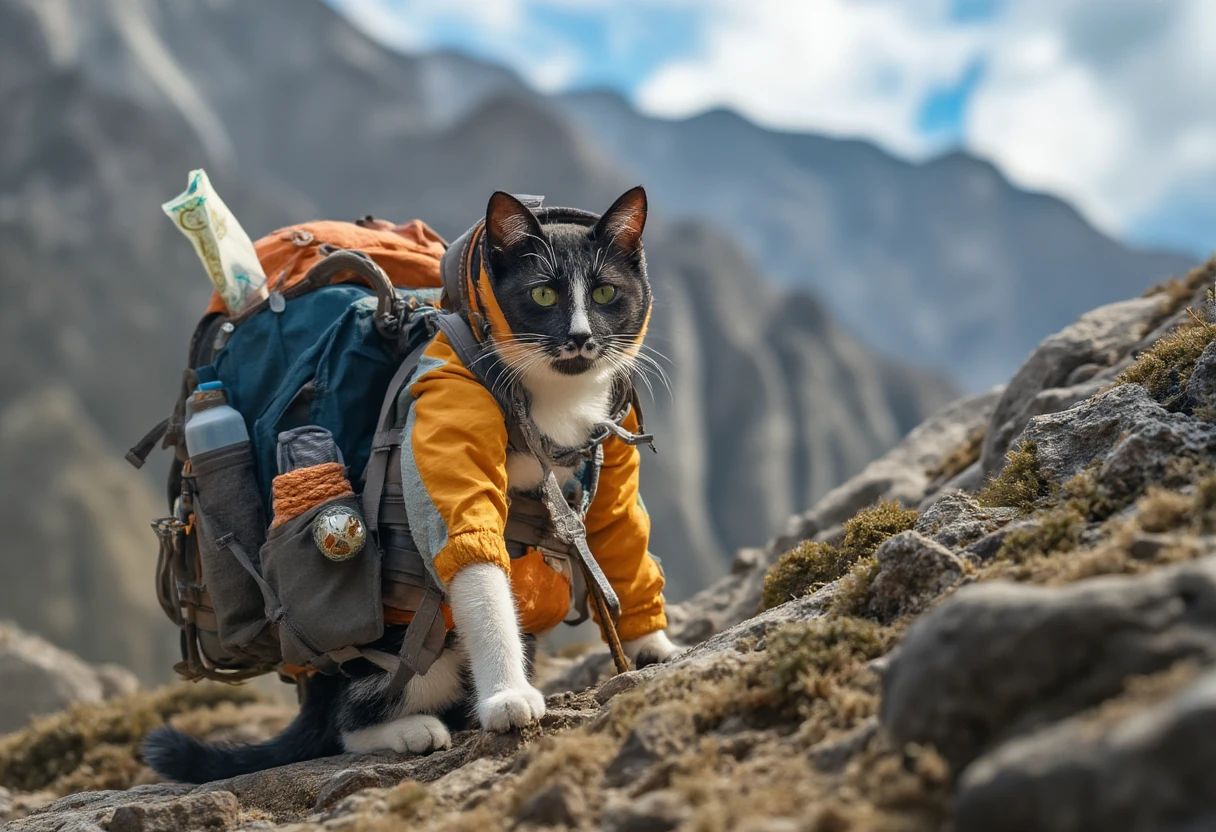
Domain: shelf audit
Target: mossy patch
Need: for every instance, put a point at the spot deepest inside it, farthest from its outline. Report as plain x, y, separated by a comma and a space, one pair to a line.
802, 570
94, 746
1166, 367
1020, 484
812, 565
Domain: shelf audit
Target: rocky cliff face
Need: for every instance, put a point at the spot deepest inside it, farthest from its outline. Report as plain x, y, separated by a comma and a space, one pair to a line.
296, 115
935, 648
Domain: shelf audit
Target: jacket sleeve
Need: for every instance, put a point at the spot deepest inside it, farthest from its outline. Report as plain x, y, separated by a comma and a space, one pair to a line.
453, 466
618, 531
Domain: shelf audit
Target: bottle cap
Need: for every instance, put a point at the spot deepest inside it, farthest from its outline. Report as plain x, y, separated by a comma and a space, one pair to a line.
211, 385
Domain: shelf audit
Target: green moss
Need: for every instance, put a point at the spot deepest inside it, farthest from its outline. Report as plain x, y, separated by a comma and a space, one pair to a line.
821, 647
1020, 484
869, 528
1058, 530
1166, 366
53, 747
801, 571
812, 565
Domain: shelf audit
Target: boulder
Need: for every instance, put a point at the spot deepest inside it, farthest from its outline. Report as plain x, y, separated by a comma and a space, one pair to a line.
1131, 435
912, 572
1101, 337
999, 659
1151, 769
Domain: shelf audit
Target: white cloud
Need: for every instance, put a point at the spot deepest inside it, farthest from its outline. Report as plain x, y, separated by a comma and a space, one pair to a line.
838, 66
1109, 103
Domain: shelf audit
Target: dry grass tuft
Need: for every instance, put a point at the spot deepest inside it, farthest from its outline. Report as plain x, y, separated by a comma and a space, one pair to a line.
1160, 510
94, 746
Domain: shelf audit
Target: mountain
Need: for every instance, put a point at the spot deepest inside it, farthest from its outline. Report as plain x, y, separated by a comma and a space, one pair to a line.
296, 114
945, 263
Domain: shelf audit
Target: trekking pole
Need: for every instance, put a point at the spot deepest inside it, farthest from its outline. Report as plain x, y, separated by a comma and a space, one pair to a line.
606, 626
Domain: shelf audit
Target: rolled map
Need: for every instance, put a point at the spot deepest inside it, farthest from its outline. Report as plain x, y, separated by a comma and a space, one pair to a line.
223, 246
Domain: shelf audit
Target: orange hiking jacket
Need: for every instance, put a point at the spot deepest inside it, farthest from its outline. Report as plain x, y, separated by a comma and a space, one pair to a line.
454, 475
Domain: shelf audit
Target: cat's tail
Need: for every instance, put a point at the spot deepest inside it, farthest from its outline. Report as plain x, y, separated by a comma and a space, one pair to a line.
181, 757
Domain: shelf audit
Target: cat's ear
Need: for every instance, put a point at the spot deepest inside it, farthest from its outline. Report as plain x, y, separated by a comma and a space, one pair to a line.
622, 224
509, 223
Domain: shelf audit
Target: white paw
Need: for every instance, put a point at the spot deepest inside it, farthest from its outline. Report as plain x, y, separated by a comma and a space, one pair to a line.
651, 649
414, 734
511, 708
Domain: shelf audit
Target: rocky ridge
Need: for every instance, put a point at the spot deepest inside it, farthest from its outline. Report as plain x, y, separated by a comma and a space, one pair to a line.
1028, 650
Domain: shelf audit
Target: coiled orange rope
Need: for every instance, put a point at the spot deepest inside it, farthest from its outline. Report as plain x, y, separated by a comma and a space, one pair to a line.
297, 491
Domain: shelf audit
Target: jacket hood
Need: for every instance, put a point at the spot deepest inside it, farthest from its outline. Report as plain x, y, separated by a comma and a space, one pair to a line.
467, 284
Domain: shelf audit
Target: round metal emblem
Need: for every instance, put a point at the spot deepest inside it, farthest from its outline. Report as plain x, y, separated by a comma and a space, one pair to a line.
339, 532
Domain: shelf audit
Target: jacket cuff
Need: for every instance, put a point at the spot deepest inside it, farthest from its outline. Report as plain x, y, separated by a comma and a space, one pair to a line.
642, 622
468, 548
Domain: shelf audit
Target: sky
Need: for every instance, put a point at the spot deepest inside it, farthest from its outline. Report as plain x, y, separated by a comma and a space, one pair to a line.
1109, 104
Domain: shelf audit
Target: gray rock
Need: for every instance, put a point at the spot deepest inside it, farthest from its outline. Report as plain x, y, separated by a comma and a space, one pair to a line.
657, 811
902, 474
7, 807
1153, 770
345, 783
589, 670
1201, 386
617, 685
833, 755
91, 811
36, 677
1133, 436
987, 546
998, 659
912, 572
210, 812
659, 733
956, 520
560, 804
1102, 336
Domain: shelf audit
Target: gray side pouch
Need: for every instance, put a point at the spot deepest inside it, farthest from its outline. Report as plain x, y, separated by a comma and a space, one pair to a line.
232, 526
327, 605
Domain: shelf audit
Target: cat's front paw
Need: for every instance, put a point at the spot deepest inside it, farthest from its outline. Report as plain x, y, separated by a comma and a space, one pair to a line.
511, 708
653, 648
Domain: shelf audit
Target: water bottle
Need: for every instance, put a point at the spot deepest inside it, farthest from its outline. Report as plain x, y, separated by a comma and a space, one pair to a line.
211, 423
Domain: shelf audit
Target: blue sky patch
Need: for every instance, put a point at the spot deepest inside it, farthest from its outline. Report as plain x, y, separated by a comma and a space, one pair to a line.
943, 110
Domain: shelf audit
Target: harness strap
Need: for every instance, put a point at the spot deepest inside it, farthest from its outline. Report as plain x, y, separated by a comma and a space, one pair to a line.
387, 437
569, 528
423, 642
138, 455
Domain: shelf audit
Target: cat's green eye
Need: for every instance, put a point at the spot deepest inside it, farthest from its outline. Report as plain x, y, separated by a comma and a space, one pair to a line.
544, 295
603, 294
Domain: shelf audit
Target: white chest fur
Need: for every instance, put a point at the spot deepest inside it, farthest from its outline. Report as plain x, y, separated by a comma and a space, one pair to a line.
566, 410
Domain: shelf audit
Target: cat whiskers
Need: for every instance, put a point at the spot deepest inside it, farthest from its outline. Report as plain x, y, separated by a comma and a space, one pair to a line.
642, 359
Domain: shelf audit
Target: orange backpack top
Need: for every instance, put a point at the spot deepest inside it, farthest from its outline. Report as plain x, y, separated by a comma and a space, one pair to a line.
409, 253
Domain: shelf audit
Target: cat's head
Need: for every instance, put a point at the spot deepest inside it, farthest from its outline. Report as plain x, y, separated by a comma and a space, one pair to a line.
575, 297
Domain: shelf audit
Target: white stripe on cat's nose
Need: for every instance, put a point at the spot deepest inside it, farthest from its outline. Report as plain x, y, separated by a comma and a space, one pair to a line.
580, 324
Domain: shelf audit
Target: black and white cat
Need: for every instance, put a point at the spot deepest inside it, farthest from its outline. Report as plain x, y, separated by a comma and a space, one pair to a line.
580, 298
